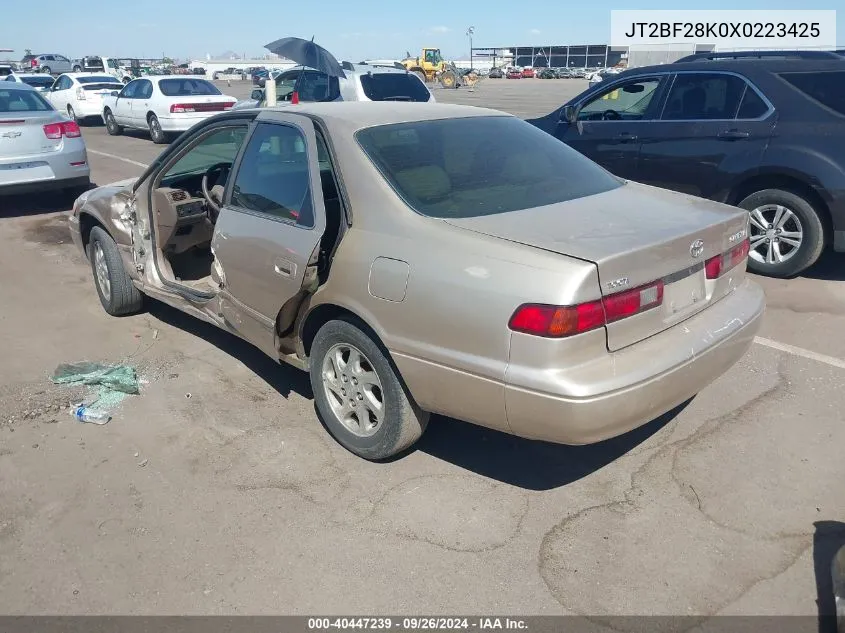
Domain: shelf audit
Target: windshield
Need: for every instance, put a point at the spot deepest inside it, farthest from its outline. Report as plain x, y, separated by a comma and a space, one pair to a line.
394, 87
39, 81
112, 63
187, 87
468, 167
99, 79
22, 101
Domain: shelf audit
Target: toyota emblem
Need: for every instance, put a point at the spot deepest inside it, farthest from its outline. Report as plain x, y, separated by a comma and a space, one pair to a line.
696, 248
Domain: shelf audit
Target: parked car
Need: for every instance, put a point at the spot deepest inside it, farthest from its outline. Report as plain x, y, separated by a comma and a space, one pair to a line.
585, 305
229, 73
39, 81
80, 95
102, 65
528, 73
40, 149
547, 73
163, 105
762, 134
362, 82
6, 70
49, 63
514, 73
564, 73
602, 75
496, 73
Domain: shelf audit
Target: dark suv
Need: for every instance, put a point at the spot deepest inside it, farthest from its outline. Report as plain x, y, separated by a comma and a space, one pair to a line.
764, 133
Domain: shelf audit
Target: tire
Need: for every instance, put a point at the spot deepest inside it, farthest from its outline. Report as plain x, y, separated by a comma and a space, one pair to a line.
156, 133
77, 69
46, 70
448, 79
119, 296
799, 219
111, 125
401, 423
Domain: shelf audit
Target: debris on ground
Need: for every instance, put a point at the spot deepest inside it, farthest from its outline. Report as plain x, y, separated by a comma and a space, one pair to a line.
115, 382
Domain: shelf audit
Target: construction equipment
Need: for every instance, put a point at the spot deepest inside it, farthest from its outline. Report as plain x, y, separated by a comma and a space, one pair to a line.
431, 67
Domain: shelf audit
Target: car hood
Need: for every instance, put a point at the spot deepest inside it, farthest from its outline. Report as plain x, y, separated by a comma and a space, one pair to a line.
109, 190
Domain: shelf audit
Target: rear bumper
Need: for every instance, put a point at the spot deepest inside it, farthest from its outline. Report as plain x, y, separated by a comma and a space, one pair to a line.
182, 122
48, 171
88, 108
640, 382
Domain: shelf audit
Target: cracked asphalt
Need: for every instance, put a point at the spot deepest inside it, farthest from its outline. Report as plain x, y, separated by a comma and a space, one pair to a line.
216, 491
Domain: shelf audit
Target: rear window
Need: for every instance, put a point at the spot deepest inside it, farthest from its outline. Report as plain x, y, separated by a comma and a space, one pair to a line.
101, 79
25, 100
38, 82
187, 87
468, 167
828, 88
394, 87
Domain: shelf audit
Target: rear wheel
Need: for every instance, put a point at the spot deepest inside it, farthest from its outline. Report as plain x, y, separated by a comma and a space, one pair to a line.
77, 69
46, 70
111, 125
359, 394
787, 233
117, 293
156, 133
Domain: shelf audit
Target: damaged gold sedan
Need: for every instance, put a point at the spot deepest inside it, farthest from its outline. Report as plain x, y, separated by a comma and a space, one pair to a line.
423, 258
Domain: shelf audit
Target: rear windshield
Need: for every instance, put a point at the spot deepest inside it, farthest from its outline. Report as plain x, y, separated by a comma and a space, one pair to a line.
394, 87
459, 168
25, 100
100, 79
828, 88
187, 87
38, 82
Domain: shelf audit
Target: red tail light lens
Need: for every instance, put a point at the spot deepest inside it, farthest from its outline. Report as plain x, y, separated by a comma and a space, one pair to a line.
717, 266
33, 63
561, 321
68, 129
179, 108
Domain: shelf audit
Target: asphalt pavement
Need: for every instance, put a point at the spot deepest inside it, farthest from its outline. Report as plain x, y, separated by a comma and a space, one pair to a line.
216, 490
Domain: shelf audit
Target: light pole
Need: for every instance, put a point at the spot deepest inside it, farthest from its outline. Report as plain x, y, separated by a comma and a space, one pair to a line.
470, 31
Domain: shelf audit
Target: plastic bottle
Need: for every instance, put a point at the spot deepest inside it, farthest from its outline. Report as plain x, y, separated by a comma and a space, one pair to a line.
84, 414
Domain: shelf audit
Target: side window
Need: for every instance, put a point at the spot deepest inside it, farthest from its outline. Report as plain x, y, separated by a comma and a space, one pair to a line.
129, 91
274, 176
701, 96
220, 146
49, 58
826, 87
145, 90
318, 87
629, 101
63, 83
751, 106
430, 57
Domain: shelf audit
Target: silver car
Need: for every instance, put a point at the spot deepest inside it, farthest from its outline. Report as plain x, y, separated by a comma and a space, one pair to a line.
48, 63
39, 148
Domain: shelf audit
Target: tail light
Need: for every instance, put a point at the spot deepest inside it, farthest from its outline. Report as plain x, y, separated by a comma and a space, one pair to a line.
718, 265
80, 93
560, 321
33, 62
55, 131
228, 105
179, 108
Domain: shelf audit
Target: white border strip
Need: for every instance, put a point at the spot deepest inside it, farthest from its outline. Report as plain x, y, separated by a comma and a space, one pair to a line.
800, 351
116, 157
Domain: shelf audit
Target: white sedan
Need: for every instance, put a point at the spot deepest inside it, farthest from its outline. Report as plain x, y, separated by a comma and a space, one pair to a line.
163, 105
80, 95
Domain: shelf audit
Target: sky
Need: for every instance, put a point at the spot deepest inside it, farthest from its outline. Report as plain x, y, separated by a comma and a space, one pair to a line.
354, 31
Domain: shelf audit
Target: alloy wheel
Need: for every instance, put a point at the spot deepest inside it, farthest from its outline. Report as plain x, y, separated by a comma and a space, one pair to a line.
776, 234
101, 270
353, 389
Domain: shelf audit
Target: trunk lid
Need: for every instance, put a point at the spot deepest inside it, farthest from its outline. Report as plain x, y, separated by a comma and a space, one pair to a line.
22, 134
635, 235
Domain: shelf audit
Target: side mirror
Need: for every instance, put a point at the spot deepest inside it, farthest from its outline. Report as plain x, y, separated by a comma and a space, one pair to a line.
569, 114
114, 93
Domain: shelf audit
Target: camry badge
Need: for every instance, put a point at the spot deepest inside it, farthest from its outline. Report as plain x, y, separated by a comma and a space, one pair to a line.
696, 248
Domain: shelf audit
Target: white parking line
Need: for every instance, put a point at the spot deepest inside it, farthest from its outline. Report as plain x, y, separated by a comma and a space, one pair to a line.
800, 351
116, 157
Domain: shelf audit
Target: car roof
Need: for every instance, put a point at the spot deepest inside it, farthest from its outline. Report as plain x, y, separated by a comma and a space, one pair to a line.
100, 74
745, 65
357, 115
13, 85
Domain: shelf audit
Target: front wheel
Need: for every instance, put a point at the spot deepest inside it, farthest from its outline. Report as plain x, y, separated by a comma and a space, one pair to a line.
77, 69
111, 125
359, 394
787, 234
117, 293
156, 133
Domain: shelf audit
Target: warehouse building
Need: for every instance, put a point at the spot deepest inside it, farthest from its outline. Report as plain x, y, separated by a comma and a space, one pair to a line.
582, 56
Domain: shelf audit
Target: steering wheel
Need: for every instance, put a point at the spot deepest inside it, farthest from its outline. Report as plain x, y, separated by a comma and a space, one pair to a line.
611, 115
214, 195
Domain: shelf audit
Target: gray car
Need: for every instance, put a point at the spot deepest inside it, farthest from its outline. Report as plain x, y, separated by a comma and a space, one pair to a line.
49, 63
39, 148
